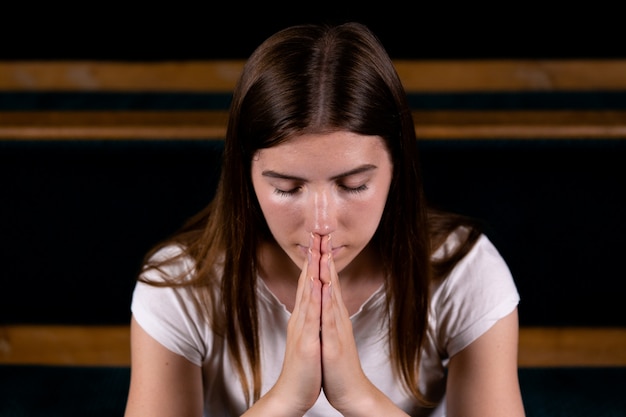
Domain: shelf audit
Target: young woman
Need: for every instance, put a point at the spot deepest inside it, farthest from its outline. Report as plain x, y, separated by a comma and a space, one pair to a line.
318, 282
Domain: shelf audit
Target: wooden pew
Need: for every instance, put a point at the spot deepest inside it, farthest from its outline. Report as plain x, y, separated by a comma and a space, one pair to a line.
110, 346
220, 77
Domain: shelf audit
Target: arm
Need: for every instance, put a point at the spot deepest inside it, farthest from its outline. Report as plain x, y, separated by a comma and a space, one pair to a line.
162, 383
483, 377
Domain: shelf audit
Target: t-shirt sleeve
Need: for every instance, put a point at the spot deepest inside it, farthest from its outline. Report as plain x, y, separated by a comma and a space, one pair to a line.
169, 315
479, 291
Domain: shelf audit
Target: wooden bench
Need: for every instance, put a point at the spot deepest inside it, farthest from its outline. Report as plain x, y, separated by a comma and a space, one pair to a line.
219, 77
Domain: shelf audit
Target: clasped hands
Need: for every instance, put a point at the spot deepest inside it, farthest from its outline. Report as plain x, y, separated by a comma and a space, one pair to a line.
321, 352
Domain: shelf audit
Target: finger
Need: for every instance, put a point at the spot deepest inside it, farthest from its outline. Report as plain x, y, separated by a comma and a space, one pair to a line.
327, 281
331, 293
335, 286
307, 308
328, 316
315, 251
310, 269
334, 310
315, 309
328, 272
325, 249
296, 321
302, 279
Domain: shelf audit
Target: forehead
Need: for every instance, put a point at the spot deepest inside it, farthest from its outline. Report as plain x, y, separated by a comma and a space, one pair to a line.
335, 149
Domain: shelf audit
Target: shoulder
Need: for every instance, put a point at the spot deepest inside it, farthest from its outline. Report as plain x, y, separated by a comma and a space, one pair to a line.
482, 257
482, 269
170, 311
478, 291
167, 264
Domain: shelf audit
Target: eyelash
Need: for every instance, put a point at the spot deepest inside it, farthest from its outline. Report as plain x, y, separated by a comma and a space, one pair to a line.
354, 190
350, 190
283, 193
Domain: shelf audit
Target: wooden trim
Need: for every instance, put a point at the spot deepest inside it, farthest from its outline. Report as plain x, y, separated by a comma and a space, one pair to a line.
220, 76
572, 346
538, 124
512, 75
110, 346
83, 76
105, 125
211, 125
65, 345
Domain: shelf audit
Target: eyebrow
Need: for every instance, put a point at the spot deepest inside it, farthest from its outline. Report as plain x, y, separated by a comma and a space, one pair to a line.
362, 168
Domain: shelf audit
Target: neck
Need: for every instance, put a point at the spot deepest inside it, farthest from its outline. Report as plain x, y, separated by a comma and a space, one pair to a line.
278, 272
359, 280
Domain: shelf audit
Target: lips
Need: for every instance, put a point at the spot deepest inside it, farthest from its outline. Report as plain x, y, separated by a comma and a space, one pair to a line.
305, 249
336, 250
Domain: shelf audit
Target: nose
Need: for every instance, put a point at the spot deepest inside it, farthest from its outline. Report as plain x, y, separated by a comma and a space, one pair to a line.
321, 213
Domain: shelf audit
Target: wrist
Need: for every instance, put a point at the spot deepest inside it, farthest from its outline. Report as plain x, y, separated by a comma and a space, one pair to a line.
273, 405
372, 403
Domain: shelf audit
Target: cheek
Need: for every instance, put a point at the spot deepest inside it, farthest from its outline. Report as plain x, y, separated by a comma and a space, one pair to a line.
280, 213
366, 214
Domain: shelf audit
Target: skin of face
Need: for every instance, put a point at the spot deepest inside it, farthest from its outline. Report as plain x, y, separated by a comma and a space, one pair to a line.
334, 183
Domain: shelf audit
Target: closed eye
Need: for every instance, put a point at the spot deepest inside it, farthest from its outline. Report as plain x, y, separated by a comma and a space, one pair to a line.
286, 193
355, 190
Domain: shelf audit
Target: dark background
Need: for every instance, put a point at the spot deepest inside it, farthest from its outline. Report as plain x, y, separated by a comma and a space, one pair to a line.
76, 217
207, 30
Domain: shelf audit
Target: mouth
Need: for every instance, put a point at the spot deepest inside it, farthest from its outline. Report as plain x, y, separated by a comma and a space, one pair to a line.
304, 249
336, 250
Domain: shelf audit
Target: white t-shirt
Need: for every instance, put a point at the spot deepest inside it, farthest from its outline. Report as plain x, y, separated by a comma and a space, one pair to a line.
479, 291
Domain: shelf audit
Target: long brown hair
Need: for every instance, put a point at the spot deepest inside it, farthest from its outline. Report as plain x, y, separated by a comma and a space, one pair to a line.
317, 79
